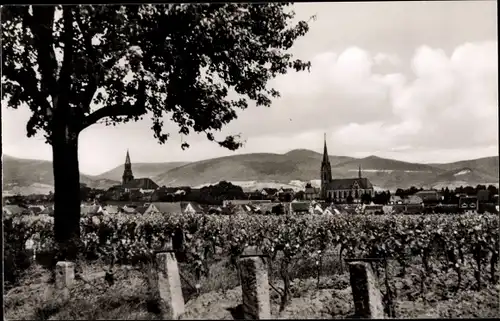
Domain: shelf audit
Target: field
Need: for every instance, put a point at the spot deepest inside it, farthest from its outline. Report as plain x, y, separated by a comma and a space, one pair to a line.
437, 265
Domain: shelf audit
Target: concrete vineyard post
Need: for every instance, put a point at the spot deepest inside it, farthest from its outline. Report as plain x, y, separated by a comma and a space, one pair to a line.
169, 284
365, 291
255, 288
65, 277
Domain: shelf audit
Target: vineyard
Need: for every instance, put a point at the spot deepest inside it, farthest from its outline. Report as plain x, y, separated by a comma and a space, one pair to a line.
446, 256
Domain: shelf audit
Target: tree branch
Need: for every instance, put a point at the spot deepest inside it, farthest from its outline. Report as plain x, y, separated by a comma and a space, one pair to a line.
127, 109
67, 65
95, 71
41, 25
27, 79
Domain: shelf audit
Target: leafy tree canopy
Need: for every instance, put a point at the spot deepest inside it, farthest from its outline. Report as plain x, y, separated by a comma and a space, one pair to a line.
116, 63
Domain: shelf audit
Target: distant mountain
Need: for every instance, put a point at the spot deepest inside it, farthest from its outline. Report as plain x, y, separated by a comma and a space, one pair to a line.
295, 165
487, 165
292, 169
139, 170
27, 176
304, 165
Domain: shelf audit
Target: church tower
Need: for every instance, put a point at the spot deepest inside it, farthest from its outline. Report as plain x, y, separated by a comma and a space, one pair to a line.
359, 172
127, 173
326, 172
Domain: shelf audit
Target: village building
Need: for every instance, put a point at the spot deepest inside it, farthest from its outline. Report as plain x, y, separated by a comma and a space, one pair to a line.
414, 200
136, 188
394, 199
15, 210
373, 209
468, 204
429, 196
483, 196
129, 183
300, 208
175, 208
311, 192
339, 190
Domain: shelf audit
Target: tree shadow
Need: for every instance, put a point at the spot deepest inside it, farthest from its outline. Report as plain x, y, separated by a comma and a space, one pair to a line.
237, 312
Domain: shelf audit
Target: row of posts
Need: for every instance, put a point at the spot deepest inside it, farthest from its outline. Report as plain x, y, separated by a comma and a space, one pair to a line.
254, 285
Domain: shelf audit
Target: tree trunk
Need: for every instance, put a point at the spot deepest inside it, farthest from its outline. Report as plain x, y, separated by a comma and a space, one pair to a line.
67, 191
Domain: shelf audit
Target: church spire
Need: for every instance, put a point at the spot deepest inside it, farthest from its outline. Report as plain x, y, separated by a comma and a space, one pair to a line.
326, 172
326, 159
127, 158
359, 171
127, 172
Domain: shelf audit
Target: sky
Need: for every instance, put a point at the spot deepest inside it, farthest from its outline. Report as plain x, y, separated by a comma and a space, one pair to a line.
413, 81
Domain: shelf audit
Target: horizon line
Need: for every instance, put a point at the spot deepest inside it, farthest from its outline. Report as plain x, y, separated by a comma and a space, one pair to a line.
242, 154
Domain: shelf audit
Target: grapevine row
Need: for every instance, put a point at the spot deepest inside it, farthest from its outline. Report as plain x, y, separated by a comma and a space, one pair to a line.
452, 241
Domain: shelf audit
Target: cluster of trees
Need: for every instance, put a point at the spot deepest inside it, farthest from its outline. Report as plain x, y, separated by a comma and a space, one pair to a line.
451, 196
25, 200
211, 195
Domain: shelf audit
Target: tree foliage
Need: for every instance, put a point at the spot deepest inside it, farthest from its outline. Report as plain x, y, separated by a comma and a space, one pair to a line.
197, 63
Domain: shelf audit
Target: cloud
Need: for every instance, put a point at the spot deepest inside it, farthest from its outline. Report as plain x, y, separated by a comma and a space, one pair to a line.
446, 107
384, 58
449, 102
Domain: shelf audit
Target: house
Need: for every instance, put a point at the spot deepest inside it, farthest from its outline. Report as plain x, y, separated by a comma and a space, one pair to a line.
429, 196
483, 196
398, 208
333, 209
468, 204
300, 207
128, 209
49, 210
373, 209
285, 194
236, 202
329, 211
220, 210
242, 209
414, 208
164, 208
114, 192
388, 209
15, 210
318, 208
141, 209
413, 199
111, 210
264, 208
269, 193
191, 208
36, 209
395, 199
86, 210
311, 193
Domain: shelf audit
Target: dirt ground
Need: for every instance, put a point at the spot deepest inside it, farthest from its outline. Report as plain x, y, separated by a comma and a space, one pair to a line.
128, 299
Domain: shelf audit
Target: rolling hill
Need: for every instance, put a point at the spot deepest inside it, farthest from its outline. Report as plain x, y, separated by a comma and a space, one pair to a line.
139, 169
292, 169
27, 176
487, 165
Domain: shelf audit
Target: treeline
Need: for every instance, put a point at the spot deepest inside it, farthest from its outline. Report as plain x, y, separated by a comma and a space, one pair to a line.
216, 194
452, 196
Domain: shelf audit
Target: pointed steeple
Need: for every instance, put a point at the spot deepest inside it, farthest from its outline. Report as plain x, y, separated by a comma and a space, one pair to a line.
127, 172
127, 158
326, 172
359, 171
326, 159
